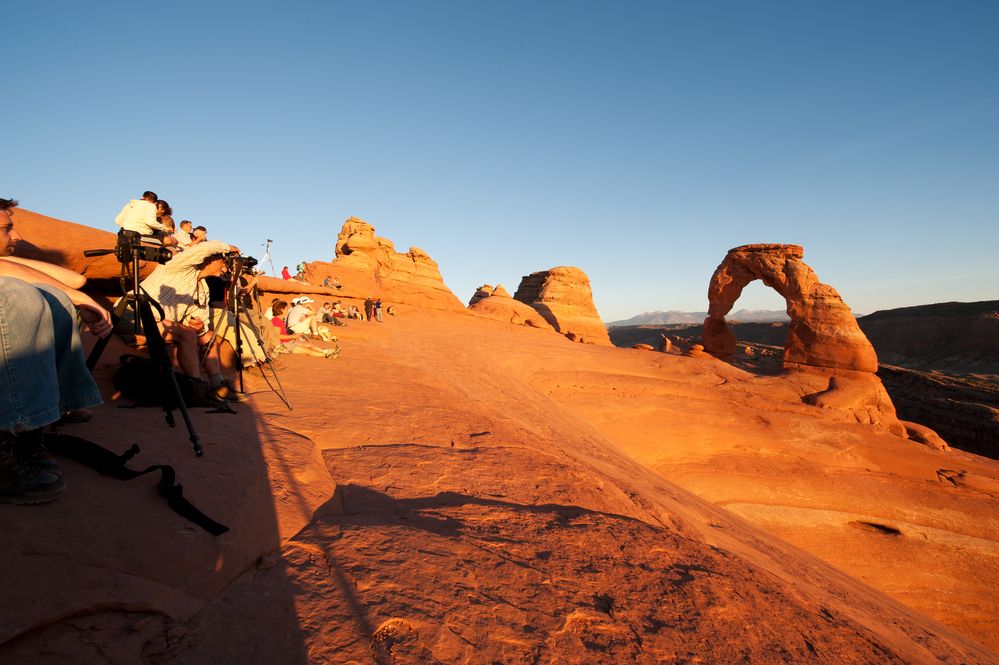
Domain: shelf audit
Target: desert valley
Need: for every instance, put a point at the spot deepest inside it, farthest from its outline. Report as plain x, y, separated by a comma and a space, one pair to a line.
500, 483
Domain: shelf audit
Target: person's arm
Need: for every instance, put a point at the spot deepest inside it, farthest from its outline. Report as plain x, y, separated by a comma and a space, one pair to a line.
96, 318
148, 214
195, 254
71, 279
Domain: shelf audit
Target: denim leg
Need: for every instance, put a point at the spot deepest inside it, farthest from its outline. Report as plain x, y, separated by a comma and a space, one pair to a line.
42, 369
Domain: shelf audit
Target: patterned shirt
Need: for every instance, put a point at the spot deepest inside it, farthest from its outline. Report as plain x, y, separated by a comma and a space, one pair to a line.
176, 287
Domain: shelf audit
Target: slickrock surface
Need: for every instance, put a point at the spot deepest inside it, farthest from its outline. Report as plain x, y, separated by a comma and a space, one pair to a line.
563, 297
455, 489
497, 303
368, 265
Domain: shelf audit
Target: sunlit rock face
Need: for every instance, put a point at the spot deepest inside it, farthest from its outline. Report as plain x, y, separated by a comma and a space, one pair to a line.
563, 297
497, 303
823, 331
823, 339
368, 265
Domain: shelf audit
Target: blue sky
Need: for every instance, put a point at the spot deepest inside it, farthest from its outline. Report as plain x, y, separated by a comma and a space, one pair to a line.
636, 140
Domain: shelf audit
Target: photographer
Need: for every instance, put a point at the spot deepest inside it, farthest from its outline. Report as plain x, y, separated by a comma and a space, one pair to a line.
42, 370
179, 287
141, 216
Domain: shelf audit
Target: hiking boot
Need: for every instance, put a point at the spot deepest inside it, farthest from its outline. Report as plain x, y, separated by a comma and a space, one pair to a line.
22, 482
228, 392
30, 447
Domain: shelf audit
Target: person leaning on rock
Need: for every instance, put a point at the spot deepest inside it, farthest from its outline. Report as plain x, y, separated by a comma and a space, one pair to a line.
179, 287
43, 373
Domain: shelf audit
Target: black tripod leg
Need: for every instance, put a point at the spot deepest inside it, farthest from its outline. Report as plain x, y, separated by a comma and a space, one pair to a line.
102, 343
158, 352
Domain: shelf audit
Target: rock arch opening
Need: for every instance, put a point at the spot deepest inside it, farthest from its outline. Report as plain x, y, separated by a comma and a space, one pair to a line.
822, 331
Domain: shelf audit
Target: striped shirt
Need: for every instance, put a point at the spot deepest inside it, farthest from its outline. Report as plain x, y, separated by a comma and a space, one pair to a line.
176, 287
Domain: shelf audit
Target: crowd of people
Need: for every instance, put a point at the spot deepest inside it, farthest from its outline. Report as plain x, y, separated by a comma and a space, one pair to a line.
45, 380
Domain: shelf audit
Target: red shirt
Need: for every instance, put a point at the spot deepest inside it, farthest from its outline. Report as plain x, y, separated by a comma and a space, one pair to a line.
285, 274
279, 322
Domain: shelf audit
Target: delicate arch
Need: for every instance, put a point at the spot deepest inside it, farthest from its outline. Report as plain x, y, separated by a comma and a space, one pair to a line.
823, 331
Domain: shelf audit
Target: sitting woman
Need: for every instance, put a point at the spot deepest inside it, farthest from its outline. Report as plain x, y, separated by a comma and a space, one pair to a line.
292, 343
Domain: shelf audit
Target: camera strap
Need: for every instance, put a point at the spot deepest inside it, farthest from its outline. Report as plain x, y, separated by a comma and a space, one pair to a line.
107, 463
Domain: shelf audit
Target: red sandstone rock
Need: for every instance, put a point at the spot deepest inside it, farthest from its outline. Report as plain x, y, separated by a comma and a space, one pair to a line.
924, 435
823, 331
563, 297
496, 303
62, 243
368, 265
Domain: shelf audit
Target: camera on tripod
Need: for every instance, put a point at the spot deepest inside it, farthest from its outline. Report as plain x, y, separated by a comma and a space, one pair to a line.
129, 247
239, 264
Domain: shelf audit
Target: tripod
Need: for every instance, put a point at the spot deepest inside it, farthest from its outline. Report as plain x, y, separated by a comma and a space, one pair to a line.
240, 315
130, 252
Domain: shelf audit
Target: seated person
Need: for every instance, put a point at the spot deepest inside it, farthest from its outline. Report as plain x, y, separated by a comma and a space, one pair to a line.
44, 372
297, 343
183, 234
300, 319
140, 216
326, 314
180, 289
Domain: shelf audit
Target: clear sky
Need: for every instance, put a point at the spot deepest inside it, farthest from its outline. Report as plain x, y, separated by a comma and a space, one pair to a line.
636, 140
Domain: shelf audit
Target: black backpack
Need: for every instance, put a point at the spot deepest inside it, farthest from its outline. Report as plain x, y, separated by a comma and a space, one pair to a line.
140, 380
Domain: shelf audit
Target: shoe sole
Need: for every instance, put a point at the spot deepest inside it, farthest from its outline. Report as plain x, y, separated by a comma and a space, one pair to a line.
32, 498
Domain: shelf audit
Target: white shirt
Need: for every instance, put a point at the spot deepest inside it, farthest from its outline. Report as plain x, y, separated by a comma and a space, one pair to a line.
183, 238
139, 215
296, 315
176, 287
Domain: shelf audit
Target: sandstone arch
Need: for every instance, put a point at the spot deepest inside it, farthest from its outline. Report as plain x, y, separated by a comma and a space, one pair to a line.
823, 331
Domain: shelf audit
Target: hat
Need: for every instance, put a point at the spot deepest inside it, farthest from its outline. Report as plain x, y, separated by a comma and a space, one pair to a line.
305, 299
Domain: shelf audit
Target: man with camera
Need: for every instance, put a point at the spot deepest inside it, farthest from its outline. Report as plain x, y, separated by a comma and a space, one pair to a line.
43, 373
179, 287
142, 216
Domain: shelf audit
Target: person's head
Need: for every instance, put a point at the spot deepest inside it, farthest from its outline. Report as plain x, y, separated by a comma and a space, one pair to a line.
163, 208
212, 266
8, 236
200, 232
279, 307
150, 196
186, 225
327, 305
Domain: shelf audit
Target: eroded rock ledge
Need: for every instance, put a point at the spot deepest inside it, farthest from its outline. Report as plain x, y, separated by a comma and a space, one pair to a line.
368, 265
563, 297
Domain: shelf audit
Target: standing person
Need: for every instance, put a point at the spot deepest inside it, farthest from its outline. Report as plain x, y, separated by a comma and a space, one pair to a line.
43, 373
285, 274
378, 310
369, 308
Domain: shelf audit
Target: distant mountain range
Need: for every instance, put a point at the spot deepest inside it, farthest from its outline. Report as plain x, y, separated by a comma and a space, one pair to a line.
673, 317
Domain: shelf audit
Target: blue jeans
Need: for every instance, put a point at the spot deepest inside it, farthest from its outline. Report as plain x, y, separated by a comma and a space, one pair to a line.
43, 373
